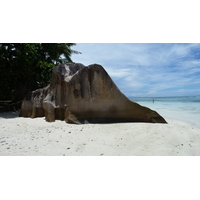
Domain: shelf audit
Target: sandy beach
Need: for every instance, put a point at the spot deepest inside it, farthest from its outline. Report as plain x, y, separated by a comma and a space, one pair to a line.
36, 137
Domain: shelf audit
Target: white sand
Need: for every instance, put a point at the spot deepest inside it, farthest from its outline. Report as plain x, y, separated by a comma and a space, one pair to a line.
36, 137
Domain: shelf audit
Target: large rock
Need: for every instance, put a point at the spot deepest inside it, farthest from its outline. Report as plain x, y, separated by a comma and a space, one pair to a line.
80, 94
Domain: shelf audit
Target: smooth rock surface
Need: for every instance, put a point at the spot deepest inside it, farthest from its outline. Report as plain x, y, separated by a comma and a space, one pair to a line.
80, 94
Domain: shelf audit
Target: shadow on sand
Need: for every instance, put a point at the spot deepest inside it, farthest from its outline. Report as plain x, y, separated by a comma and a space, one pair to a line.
9, 115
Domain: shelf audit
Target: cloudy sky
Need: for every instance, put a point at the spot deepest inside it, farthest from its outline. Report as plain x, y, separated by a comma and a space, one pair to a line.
147, 69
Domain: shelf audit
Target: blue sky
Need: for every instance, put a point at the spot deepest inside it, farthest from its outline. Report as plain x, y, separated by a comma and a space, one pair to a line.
147, 69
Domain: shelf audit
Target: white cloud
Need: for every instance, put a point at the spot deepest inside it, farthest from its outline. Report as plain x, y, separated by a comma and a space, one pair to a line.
118, 73
148, 69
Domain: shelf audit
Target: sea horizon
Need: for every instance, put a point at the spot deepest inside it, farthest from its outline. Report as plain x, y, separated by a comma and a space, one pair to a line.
182, 108
163, 96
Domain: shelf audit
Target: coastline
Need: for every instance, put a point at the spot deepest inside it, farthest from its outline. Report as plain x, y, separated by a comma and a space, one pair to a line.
36, 137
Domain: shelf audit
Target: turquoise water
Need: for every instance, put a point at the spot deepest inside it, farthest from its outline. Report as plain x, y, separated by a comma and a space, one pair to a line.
185, 109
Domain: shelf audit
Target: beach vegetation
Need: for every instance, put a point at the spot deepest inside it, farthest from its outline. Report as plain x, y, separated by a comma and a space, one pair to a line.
28, 66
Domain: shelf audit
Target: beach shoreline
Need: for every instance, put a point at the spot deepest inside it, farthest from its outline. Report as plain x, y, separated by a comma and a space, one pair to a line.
36, 137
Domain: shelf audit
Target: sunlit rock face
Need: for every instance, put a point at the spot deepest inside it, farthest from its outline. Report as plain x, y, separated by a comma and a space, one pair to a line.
79, 94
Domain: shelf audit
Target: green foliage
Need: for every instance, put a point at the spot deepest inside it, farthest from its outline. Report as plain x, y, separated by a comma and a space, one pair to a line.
28, 66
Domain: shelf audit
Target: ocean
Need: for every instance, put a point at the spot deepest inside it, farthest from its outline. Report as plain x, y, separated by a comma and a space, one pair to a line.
185, 109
